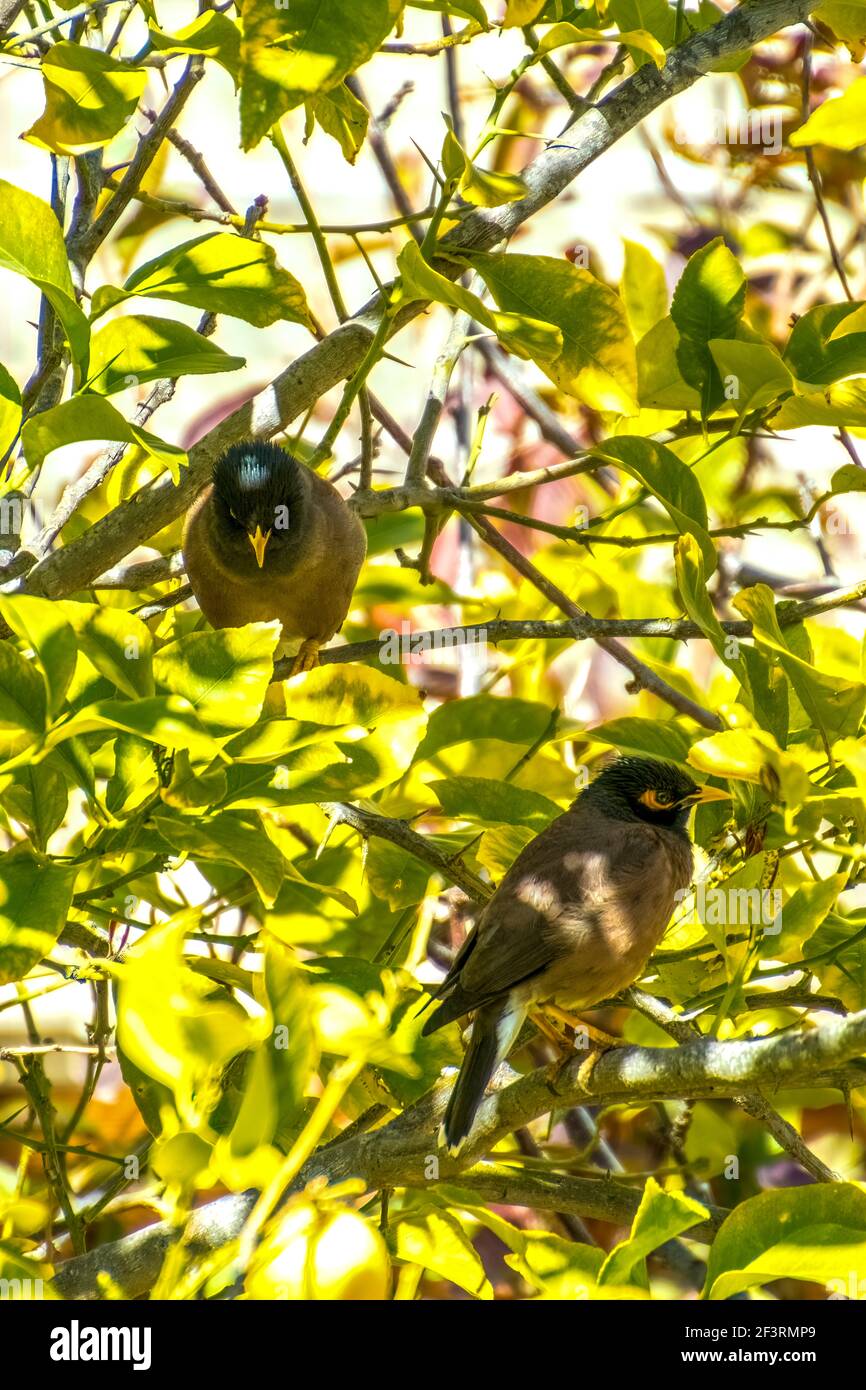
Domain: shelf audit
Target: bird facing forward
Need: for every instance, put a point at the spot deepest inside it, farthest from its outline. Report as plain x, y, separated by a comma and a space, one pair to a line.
573, 921
269, 539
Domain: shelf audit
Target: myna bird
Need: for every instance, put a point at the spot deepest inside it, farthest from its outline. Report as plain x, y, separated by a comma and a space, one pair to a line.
573, 921
268, 539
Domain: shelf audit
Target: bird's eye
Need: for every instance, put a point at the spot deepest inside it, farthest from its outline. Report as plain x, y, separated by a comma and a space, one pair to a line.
655, 801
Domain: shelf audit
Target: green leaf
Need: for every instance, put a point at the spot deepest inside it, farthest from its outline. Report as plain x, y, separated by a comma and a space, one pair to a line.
847, 19
709, 297
816, 1233
660, 1216
342, 116
752, 755
93, 417
597, 362
162, 719
230, 837
667, 478
214, 35
643, 289
219, 272
843, 403
395, 875
848, 478
766, 698
224, 675
292, 1046
171, 1025
136, 348
839, 122
708, 303
521, 12
753, 374
40, 622
287, 58
31, 244
646, 44
118, 644
834, 705
347, 694
10, 411
484, 188
482, 716
470, 9
23, 696
521, 334
134, 776
657, 17
803, 914
34, 900
89, 97
190, 790
654, 738
661, 384
828, 344
493, 803
435, 1240
38, 798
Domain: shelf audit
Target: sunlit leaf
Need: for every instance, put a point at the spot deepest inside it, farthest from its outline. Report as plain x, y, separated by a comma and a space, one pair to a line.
287, 57
597, 363
224, 674
31, 244
342, 116
643, 288
89, 97
815, 1233
34, 902
93, 417
667, 478
137, 348
219, 272
214, 35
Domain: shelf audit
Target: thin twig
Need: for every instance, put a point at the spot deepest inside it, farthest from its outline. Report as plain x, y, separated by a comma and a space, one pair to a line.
815, 177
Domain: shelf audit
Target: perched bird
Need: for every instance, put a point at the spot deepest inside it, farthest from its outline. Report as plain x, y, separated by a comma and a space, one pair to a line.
573, 921
268, 538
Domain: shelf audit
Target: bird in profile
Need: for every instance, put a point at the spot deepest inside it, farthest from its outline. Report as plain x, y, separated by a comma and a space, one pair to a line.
573, 921
269, 539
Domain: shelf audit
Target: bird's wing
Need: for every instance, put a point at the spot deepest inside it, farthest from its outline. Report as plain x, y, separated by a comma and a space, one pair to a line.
507, 947
549, 905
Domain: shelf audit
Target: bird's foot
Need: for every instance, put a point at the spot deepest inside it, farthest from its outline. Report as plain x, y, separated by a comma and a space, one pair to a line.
562, 1044
583, 1031
306, 657
580, 1035
589, 1064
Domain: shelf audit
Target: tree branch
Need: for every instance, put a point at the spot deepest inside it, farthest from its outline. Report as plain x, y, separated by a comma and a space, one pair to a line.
496, 630
399, 1154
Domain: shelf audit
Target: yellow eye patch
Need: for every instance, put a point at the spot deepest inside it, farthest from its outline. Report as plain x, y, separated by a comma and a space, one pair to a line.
655, 801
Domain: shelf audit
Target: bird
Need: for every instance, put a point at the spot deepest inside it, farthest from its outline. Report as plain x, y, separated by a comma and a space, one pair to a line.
269, 539
573, 921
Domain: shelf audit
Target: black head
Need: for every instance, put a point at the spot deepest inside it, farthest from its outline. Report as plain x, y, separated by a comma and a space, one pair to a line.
648, 790
259, 499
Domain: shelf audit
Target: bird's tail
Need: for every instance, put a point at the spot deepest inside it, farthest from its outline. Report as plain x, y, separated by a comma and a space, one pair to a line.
494, 1029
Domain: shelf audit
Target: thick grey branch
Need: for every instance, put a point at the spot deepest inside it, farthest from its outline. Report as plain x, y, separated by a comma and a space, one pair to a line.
400, 1154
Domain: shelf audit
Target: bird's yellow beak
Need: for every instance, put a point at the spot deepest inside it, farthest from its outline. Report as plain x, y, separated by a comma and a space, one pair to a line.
258, 539
705, 794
